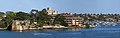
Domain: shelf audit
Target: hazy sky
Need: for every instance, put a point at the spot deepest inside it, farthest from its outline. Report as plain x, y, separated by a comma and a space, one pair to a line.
73, 6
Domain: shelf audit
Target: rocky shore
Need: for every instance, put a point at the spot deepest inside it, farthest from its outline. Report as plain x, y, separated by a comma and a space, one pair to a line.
53, 27
3, 28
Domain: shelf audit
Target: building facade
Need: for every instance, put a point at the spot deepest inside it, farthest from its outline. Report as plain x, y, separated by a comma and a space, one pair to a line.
51, 12
72, 20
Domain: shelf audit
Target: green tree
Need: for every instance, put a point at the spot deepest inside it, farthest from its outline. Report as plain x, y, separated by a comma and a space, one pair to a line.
2, 22
1, 14
60, 20
43, 18
10, 16
22, 16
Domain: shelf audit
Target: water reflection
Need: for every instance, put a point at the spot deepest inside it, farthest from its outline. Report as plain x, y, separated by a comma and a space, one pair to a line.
64, 33
98, 32
75, 29
21, 31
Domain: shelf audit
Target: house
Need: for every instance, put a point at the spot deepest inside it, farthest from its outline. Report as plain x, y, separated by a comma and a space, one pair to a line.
51, 12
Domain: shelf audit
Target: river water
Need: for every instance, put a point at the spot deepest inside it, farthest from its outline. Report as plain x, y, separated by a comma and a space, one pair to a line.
106, 32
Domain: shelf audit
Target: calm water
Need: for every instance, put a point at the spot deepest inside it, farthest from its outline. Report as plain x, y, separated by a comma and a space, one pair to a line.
64, 33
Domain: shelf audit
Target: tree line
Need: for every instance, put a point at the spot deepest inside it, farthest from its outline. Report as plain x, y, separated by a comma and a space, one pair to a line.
41, 17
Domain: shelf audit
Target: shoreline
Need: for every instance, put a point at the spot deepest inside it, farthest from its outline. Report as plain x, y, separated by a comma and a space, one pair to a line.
41, 28
3, 28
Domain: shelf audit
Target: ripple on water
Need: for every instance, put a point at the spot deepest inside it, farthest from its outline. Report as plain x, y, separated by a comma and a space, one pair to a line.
42, 34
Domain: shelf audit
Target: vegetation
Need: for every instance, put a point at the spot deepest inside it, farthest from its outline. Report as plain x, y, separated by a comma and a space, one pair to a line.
87, 25
22, 16
42, 18
2, 23
60, 20
100, 17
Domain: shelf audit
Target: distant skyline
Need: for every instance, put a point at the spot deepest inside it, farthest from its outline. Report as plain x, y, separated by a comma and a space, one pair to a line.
69, 6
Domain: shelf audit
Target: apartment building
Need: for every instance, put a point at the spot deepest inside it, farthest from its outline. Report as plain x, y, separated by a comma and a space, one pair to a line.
72, 20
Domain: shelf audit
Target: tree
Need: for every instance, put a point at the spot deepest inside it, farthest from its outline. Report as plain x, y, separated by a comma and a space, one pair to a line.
1, 14
87, 25
60, 20
22, 16
43, 18
33, 16
10, 16
2, 22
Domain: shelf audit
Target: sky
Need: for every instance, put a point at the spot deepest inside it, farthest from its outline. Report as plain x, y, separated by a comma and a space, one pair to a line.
63, 6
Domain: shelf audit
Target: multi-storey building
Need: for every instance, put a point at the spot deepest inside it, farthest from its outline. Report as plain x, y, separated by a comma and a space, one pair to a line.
72, 20
51, 12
